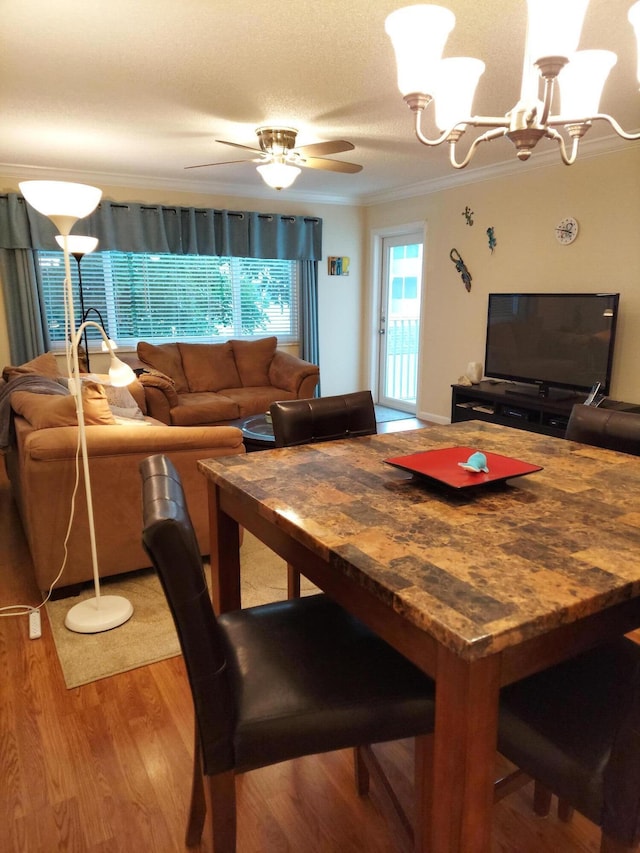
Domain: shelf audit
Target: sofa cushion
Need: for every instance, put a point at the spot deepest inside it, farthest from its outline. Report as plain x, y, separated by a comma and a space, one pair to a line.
255, 401
44, 411
253, 359
44, 365
209, 367
167, 359
203, 408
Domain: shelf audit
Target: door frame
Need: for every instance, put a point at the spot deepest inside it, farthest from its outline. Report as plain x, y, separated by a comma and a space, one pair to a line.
377, 236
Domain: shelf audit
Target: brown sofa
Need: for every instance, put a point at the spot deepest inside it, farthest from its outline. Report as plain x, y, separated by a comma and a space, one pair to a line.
40, 463
196, 384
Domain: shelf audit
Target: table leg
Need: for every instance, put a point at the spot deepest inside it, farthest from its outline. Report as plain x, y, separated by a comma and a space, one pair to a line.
464, 756
224, 546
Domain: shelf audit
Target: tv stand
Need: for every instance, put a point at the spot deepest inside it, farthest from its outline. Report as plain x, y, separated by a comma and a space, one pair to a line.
543, 392
506, 404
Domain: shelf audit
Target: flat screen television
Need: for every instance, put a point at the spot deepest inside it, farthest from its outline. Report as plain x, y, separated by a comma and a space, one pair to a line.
555, 342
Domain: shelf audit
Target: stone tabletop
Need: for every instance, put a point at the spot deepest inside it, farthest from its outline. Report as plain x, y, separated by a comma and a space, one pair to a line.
481, 569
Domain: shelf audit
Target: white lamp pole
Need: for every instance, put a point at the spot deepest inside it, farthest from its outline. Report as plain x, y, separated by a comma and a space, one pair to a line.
64, 203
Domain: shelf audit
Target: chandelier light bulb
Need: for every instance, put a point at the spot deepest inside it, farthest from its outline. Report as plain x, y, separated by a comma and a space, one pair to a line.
418, 35
582, 81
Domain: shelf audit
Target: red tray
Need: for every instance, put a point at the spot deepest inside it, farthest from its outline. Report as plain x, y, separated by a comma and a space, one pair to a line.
442, 466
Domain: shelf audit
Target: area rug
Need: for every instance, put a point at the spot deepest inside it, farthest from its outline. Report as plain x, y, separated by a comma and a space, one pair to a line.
149, 635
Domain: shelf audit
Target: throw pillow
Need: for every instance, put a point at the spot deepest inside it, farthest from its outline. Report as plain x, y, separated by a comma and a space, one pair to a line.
43, 365
44, 411
209, 367
254, 359
121, 401
167, 359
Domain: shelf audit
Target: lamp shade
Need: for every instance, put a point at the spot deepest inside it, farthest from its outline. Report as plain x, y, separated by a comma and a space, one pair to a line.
78, 245
582, 80
455, 87
418, 34
554, 28
61, 201
634, 19
278, 176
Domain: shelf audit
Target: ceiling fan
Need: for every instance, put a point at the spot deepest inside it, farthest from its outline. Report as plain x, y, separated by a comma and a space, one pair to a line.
280, 161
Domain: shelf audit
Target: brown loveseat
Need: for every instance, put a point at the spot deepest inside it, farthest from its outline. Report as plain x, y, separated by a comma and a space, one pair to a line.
197, 384
40, 463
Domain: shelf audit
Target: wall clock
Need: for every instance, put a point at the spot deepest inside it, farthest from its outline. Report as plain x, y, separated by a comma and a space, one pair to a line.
566, 231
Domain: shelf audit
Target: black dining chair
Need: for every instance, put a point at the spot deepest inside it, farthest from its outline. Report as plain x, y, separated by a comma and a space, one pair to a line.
607, 428
323, 418
273, 682
575, 728
320, 419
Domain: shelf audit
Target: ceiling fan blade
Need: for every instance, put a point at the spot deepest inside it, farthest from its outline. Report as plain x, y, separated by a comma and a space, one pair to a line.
238, 145
331, 165
319, 149
221, 163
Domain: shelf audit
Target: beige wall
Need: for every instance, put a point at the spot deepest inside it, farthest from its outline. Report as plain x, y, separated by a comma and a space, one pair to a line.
339, 298
602, 193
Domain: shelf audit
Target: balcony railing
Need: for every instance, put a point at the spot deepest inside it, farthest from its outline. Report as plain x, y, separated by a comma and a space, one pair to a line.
401, 375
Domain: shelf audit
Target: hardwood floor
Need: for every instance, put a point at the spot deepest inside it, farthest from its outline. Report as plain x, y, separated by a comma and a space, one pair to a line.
105, 768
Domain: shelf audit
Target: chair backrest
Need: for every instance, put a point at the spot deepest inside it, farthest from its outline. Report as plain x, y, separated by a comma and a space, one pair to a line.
607, 428
169, 539
323, 418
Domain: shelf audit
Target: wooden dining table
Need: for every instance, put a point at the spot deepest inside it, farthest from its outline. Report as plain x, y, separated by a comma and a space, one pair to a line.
479, 585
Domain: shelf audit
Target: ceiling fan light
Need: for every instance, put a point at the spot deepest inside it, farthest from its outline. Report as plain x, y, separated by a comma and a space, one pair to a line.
455, 87
418, 35
582, 80
554, 28
278, 176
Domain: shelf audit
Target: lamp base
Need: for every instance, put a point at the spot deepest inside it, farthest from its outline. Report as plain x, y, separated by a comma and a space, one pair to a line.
92, 616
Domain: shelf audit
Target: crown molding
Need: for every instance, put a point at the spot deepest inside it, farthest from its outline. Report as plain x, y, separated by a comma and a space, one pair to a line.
539, 160
260, 191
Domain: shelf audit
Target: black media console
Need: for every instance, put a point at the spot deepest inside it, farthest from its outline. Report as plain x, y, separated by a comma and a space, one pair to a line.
502, 403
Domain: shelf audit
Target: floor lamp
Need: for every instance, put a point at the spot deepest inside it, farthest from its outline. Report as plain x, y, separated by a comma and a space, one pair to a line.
79, 247
64, 203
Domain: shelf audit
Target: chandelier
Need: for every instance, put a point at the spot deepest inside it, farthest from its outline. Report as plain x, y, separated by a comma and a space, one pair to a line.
418, 34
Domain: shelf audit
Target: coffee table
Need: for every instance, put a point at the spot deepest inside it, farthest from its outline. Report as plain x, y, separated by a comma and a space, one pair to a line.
257, 433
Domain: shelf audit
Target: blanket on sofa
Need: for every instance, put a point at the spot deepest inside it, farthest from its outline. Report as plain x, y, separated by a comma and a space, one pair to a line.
29, 382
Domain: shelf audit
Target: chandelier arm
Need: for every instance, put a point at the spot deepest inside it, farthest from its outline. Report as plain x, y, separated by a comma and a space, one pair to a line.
459, 127
496, 133
547, 98
425, 140
614, 124
567, 159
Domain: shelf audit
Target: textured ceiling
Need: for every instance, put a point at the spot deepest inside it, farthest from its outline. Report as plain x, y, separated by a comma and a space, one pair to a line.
129, 92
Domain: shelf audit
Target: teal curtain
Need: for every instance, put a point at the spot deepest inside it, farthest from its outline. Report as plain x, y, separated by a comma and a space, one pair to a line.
134, 227
308, 314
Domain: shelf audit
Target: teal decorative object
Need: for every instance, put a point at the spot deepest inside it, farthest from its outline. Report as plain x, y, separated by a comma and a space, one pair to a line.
461, 267
477, 463
468, 215
492, 239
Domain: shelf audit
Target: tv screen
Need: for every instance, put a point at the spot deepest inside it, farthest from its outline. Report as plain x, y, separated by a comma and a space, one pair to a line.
552, 340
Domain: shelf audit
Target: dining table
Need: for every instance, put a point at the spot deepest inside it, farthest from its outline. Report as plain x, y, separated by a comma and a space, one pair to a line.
480, 581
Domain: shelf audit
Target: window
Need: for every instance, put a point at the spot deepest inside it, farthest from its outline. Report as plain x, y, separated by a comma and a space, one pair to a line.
163, 297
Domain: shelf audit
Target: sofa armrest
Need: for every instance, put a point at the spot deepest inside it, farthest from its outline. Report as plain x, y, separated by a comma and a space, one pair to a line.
160, 395
120, 441
293, 374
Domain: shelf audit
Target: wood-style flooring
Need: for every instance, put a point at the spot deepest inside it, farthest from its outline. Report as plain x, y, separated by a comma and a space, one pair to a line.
105, 768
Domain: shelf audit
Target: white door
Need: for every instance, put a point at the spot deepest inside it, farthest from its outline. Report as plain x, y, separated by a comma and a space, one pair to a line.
399, 321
